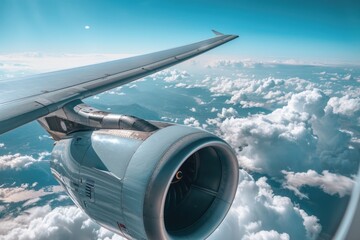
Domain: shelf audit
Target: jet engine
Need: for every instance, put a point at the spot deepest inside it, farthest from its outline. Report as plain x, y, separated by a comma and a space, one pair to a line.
170, 182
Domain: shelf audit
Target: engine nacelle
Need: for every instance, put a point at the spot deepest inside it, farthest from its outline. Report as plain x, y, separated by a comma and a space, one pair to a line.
174, 183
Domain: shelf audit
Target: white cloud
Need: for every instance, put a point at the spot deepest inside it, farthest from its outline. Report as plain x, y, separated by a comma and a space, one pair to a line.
180, 85
344, 106
24, 192
257, 212
42, 223
117, 91
347, 77
311, 101
44, 136
191, 121
330, 183
2, 145
296, 137
168, 119
266, 235
267, 92
60, 198
269, 145
43, 155
3, 208
311, 224
16, 161
30, 202
249, 63
193, 109
230, 64
171, 75
251, 104
227, 112
351, 91
199, 101
87, 27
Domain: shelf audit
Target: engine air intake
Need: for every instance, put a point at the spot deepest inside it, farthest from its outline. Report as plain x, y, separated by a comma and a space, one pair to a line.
189, 198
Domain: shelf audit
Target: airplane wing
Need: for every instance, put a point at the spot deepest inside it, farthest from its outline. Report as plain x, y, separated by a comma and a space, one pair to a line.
26, 99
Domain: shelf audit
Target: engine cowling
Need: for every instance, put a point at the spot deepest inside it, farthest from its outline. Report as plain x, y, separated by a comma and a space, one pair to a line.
174, 183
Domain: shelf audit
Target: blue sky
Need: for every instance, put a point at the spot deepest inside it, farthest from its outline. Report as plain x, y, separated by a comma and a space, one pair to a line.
310, 31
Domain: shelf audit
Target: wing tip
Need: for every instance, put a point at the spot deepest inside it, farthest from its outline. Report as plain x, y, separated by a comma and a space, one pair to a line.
217, 33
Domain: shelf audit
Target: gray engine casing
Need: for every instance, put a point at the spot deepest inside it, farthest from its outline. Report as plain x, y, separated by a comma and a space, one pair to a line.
175, 183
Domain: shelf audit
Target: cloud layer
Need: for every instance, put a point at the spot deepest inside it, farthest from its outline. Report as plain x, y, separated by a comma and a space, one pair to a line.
42, 223
299, 129
17, 161
293, 138
25, 192
258, 213
330, 183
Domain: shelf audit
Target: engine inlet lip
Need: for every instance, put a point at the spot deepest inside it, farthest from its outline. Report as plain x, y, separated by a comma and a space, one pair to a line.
167, 170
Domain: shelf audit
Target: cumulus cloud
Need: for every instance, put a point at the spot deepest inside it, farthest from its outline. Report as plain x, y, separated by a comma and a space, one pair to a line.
168, 119
266, 92
214, 109
43, 155
330, 183
249, 63
231, 64
2, 145
30, 202
344, 106
192, 122
44, 136
258, 213
59, 223
181, 85
296, 137
25, 192
264, 143
312, 102
3, 208
227, 112
266, 235
351, 91
171, 75
18, 161
311, 224
347, 77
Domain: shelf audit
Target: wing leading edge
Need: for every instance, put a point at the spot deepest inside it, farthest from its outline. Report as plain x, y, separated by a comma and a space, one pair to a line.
26, 99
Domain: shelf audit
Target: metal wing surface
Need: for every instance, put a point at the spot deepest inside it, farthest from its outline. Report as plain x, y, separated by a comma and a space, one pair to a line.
25, 99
